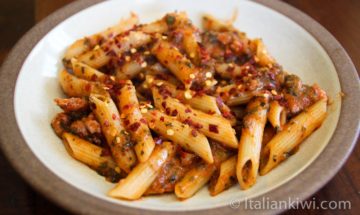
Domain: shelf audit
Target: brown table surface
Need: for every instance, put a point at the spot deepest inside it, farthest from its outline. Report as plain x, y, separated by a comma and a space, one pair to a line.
340, 17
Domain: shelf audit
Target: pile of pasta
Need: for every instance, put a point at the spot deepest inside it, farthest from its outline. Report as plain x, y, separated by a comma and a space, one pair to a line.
166, 107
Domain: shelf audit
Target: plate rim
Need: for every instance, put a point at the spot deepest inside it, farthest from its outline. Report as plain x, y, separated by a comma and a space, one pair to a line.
330, 160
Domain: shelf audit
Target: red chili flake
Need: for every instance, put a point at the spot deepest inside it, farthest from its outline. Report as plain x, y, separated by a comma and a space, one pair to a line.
88, 87
162, 119
227, 114
166, 61
126, 122
194, 132
192, 123
105, 152
180, 87
134, 127
213, 128
106, 123
168, 111
143, 120
127, 106
122, 82
174, 113
232, 90
179, 96
178, 57
106, 49
211, 112
187, 110
93, 77
163, 104
114, 116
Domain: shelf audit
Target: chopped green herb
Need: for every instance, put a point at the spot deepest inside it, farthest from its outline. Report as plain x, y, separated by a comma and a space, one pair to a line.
170, 20
168, 124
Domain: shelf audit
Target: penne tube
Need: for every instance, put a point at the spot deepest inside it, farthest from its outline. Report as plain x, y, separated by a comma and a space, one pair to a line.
250, 142
87, 43
116, 137
194, 180
294, 132
191, 45
241, 99
176, 62
213, 126
158, 26
115, 47
143, 175
232, 97
228, 71
226, 178
168, 22
210, 23
131, 68
84, 71
75, 87
203, 102
277, 115
91, 155
135, 123
187, 137
263, 57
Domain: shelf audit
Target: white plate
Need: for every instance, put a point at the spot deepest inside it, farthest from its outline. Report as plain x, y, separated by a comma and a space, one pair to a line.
290, 44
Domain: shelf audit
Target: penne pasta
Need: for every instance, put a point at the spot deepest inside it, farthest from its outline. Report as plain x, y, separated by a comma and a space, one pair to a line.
190, 43
91, 155
99, 57
135, 123
130, 69
116, 137
210, 23
215, 127
87, 43
141, 177
241, 99
250, 142
75, 87
85, 72
262, 55
294, 132
203, 102
187, 137
177, 63
194, 180
226, 178
228, 71
168, 22
276, 115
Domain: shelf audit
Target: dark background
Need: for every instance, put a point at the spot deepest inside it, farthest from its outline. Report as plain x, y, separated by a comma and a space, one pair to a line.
340, 17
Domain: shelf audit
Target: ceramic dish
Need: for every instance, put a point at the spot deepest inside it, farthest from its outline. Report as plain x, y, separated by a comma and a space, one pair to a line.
303, 47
